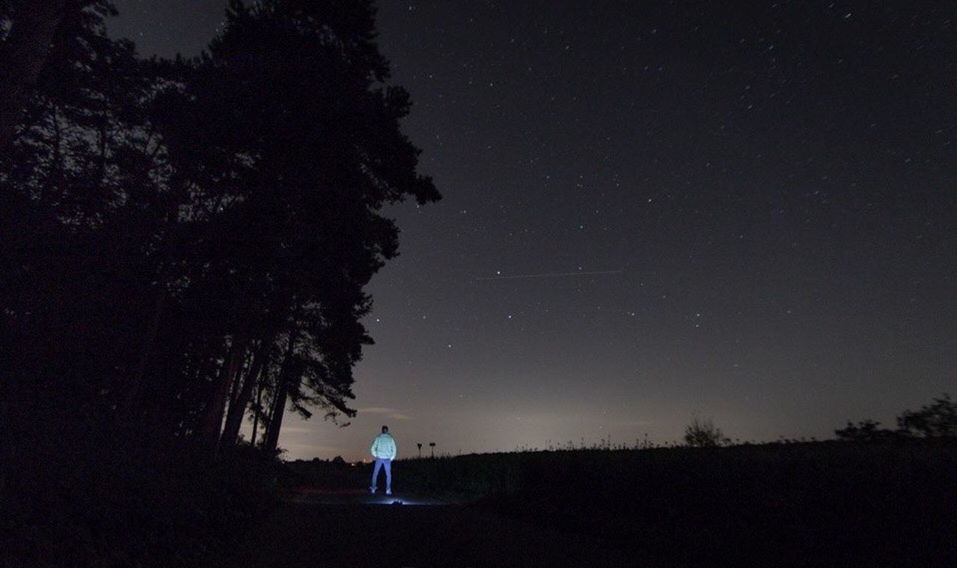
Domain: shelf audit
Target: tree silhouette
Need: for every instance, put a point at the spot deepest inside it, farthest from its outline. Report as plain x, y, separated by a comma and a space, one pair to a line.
866, 431
702, 433
419, 444
31, 28
935, 420
183, 241
432, 445
318, 230
78, 212
178, 235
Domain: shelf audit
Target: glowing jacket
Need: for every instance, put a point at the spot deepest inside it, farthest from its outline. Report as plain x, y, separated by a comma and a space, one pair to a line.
383, 447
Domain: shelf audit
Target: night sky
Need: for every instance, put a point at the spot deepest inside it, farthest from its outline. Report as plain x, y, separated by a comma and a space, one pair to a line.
744, 210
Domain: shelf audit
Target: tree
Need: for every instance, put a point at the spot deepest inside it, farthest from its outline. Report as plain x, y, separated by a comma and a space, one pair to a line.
30, 28
296, 232
77, 209
866, 431
176, 234
935, 420
243, 397
702, 433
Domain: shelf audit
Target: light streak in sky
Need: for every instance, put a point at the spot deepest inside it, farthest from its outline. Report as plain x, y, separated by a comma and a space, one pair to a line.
549, 275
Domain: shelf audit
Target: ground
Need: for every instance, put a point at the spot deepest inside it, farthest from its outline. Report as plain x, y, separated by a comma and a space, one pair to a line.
353, 529
784, 505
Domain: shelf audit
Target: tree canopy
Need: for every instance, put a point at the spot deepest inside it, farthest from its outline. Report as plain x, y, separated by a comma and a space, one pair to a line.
184, 241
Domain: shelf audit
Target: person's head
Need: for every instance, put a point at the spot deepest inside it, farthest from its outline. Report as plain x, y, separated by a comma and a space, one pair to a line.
385, 429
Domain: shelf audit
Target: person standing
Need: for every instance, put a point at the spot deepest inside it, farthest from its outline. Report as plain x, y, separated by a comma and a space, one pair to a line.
383, 450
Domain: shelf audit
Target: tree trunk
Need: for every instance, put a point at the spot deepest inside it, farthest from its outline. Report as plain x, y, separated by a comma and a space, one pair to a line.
159, 305
23, 57
237, 407
213, 414
275, 420
132, 398
6, 448
243, 372
279, 400
259, 398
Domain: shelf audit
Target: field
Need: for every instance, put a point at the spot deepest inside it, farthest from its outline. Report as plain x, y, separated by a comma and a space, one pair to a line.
800, 504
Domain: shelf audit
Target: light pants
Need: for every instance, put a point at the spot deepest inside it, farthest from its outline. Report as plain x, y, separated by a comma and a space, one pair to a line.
379, 463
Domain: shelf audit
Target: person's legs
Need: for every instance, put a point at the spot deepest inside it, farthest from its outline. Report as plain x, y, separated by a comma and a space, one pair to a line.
388, 475
375, 474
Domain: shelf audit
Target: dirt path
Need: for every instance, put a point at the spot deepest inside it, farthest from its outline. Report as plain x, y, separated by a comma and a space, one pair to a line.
352, 533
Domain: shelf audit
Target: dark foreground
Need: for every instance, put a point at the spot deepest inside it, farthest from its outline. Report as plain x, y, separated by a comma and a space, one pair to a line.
449, 536
452, 536
824, 504
818, 504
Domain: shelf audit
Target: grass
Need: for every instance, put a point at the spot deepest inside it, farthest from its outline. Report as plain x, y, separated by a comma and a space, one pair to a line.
810, 503
95, 505
786, 504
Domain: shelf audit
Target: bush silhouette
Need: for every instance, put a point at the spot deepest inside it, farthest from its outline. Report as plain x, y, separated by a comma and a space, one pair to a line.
867, 431
936, 420
702, 433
